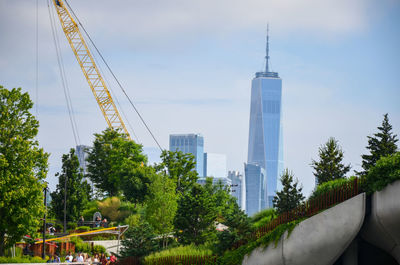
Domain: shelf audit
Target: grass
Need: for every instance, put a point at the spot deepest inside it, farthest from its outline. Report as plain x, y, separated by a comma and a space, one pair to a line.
24, 259
189, 250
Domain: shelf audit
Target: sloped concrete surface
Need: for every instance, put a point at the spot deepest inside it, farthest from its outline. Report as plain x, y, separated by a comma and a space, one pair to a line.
318, 240
382, 227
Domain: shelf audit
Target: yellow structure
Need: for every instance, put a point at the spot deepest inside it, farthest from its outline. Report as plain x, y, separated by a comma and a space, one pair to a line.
89, 68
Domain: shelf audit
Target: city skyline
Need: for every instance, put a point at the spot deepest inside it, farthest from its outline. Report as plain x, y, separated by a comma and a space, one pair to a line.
339, 60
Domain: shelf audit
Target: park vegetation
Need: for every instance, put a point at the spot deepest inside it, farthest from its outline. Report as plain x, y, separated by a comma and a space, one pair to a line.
167, 211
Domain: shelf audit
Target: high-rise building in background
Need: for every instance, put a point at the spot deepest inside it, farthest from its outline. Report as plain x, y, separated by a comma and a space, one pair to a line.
224, 181
238, 188
214, 165
255, 188
265, 132
81, 153
189, 143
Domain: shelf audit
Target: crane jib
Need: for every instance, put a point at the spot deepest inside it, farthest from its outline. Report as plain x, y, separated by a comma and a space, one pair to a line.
89, 69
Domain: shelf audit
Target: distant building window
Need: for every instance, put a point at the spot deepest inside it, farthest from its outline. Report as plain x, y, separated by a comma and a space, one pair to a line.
271, 106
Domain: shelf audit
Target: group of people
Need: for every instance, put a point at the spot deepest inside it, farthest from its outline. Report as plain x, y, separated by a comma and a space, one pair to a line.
99, 259
99, 223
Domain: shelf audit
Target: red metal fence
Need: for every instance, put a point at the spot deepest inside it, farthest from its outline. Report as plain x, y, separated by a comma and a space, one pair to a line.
313, 206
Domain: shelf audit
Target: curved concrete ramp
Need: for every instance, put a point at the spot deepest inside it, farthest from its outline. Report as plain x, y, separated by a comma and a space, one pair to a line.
318, 240
382, 227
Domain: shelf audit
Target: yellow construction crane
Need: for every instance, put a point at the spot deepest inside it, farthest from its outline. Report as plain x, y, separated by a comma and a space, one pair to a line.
89, 68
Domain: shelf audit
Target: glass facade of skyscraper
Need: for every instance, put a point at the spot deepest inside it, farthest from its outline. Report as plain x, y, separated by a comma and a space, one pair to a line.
265, 130
265, 133
189, 143
255, 188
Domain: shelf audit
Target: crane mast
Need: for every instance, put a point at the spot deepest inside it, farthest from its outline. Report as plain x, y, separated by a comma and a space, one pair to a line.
89, 68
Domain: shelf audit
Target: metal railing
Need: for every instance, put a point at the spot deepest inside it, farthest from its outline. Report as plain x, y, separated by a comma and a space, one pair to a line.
309, 208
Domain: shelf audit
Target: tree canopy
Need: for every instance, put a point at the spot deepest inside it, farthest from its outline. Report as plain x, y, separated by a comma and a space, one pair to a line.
161, 205
23, 168
330, 165
382, 143
290, 196
179, 167
114, 163
78, 190
195, 216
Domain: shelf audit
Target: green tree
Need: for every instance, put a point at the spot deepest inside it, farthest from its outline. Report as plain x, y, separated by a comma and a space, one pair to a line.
195, 216
385, 171
290, 196
78, 190
23, 167
139, 241
383, 143
161, 205
330, 166
239, 227
113, 164
179, 167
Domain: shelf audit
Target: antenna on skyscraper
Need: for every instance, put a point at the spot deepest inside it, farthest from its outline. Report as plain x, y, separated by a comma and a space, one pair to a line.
267, 51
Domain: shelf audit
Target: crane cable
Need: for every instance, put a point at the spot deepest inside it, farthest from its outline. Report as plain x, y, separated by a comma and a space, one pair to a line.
112, 73
63, 77
37, 59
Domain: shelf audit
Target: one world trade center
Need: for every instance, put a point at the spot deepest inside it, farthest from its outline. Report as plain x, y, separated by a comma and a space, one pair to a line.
265, 153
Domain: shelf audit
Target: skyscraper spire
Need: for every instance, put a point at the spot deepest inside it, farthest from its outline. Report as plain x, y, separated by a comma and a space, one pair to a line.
267, 52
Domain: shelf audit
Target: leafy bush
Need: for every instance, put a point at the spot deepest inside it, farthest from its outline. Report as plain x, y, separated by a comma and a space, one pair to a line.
71, 225
139, 241
188, 250
89, 210
83, 228
132, 220
8, 252
236, 256
99, 249
114, 209
329, 186
385, 171
263, 217
103, 237
24, 259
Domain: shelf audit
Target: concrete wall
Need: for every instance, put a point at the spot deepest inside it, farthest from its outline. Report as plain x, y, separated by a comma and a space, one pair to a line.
318, 240
382, 227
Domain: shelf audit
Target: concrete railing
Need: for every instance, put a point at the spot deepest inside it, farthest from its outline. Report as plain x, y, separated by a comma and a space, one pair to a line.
382, 227
318, 240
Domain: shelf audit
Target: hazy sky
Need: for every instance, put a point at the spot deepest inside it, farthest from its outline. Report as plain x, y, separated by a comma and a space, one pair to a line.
188, 67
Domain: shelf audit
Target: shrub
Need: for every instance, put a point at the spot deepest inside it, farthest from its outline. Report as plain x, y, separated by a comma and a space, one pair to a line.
385, 171
263, 217
329, 186
83, 228
99, 249
236, 256
189, 250
71, 225
24, 259
132, 220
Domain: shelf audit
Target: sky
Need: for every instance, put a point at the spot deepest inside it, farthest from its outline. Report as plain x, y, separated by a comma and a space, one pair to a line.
188, 66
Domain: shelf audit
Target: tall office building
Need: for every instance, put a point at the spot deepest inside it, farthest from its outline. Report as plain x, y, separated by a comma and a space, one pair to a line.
265, 132
255, 188
214, 165
81, 153
238, 190
189, 143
